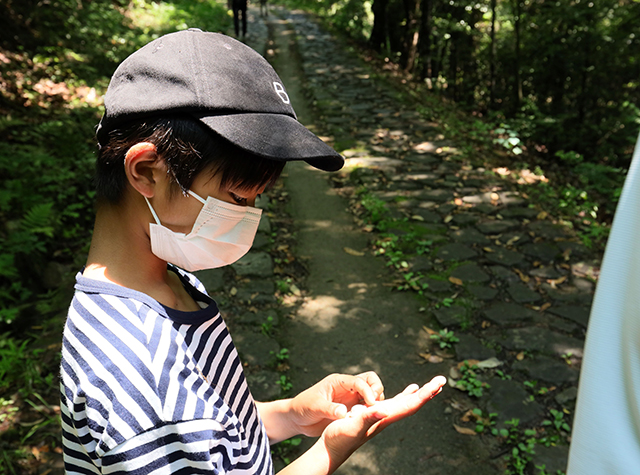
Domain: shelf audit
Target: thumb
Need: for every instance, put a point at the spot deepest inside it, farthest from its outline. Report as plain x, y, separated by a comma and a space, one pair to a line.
333, 410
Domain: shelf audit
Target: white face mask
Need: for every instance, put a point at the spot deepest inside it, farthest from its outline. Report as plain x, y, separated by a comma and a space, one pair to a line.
221, 235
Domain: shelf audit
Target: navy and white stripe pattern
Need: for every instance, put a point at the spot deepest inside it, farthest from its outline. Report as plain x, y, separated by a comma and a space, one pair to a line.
148, 389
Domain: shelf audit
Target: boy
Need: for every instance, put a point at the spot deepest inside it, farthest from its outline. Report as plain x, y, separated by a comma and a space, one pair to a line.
196, 126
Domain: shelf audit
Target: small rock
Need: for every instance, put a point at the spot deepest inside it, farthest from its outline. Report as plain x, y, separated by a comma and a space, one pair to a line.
482, 292
550, 370
510, 400
264, 385
496, 226
541, 251
574, 313
256, 348
505, 257
212, 279
522, 294
455, 252
566, 396
554, 458
470, 273
471, 348
256, 264
508, 313
451, 316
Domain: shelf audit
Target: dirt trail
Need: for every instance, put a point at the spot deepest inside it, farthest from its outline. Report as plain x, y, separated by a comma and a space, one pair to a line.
350, 322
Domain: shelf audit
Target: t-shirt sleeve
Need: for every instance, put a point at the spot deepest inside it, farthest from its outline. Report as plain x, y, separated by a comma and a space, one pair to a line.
188, 447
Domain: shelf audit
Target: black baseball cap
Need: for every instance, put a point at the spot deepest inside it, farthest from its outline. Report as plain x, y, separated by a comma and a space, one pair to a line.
222, 82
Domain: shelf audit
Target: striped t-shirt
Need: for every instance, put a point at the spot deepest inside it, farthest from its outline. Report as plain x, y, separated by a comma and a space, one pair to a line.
149, 389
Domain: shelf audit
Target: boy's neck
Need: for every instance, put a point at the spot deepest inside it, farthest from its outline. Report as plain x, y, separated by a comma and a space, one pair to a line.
120, 253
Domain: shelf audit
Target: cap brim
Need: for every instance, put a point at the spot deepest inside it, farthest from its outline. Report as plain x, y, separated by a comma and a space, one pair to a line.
275, 136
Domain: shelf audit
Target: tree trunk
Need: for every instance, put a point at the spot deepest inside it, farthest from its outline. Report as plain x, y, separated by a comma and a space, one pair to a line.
413, 36
516, 73
425, 43
379, 33
492, 56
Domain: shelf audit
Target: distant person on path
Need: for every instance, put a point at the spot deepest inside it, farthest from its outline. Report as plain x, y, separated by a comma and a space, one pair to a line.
606, 430
196, 126
240, 9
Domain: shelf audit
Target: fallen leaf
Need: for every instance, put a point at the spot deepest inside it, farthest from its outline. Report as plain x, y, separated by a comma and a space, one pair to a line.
489, 363
524, 278
468, 363
426, 356
520, 356
233, 291
495, 196
488, 249
293, 288
435, 359
448, 219
468, 416
353, 252
417, 217
458, 406
511, 241
368, 228
444, 354
455, 280
282, 247
429, 330
454, 373
545, 306
542, 215
485, 324
464, 430
558, 281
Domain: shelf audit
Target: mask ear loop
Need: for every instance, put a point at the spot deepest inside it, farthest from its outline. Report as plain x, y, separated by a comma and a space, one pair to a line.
155, 216
201, 200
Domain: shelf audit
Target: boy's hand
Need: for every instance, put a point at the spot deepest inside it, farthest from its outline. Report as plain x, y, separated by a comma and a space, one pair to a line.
331, 399
342, 437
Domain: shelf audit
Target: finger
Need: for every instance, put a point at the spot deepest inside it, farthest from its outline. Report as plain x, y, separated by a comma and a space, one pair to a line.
432, 388
373, 380
412, 388
356, 410
366, 392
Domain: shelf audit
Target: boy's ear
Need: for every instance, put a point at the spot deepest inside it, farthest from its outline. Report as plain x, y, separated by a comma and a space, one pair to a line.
144, 168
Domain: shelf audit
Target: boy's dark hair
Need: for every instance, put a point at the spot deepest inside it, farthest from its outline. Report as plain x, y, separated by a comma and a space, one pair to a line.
188, 148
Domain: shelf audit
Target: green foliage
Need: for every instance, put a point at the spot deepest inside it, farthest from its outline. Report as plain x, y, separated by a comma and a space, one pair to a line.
523, 447
285, 383
445, 338
47, 154
352, 16
469, 381
283, 450
376, 210
485, 422
508, 138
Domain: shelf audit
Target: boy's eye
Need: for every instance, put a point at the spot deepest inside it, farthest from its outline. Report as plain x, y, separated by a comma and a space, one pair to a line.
238, 199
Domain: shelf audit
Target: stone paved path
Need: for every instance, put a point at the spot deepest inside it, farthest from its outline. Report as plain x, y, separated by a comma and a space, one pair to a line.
513, 285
